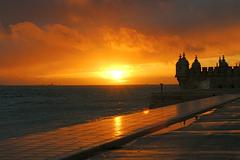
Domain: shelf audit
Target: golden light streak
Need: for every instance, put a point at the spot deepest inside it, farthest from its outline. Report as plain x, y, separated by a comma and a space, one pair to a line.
117, 126
146, 111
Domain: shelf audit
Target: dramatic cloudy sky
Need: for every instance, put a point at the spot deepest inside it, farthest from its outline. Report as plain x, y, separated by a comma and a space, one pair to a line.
80, 41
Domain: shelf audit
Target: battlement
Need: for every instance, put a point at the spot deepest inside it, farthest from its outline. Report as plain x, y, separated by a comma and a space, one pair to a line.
231, 71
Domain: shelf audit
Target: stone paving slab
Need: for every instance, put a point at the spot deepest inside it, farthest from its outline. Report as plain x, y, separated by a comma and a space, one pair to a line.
213, 136
80, 141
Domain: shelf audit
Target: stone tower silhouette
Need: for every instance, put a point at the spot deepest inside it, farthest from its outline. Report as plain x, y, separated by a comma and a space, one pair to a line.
182, 71
220, 76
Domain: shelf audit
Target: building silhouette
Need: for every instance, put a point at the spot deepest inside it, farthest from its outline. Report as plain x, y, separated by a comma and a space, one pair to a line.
220, 76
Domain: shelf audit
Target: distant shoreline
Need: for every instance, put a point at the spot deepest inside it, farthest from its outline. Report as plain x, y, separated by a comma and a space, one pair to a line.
68, 85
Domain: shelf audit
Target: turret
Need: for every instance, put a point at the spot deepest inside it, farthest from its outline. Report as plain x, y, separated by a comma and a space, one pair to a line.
182, 71
196, 67
223, 67
224, 63
220, 62
178, 66
185, 61
182, 66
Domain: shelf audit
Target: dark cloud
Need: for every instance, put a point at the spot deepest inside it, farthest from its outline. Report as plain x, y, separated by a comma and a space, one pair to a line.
39, 11
157, 15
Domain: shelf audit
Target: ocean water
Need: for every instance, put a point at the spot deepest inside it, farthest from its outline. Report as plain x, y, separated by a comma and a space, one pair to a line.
27, 110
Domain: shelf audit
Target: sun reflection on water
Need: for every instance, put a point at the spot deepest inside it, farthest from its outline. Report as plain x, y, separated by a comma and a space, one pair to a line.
117, 126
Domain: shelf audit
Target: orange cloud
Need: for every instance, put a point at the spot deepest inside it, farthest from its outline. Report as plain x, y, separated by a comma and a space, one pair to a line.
55, 53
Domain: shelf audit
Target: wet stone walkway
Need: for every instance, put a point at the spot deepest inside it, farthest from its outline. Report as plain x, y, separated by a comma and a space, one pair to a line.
84, 140
215, 136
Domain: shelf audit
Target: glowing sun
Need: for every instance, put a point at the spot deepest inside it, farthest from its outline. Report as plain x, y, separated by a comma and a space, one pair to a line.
117, 75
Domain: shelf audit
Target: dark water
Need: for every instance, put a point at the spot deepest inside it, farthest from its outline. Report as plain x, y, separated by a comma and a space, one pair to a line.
26, 110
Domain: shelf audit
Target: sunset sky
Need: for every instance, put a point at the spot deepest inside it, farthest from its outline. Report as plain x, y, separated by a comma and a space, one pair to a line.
85, 42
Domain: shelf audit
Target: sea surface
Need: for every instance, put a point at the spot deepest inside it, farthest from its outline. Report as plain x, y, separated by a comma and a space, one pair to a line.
31, 109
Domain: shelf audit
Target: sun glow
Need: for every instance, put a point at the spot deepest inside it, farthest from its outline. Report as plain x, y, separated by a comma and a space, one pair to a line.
118, 74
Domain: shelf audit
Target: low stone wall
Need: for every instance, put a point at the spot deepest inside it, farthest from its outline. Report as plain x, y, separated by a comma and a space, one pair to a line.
159, 99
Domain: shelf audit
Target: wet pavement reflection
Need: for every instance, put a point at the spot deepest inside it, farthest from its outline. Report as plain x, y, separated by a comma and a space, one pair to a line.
214, 135
65, 141
118, 126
